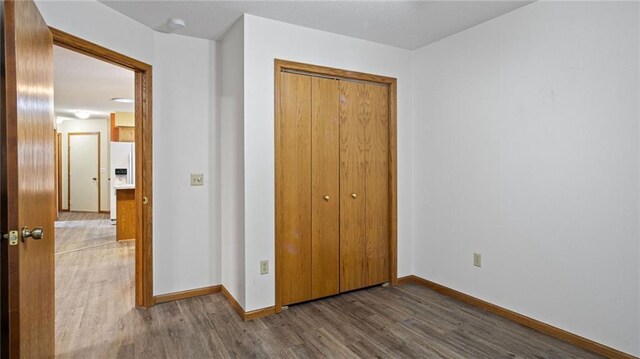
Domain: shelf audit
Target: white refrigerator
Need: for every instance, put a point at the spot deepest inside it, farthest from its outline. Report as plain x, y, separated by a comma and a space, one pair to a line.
122, 170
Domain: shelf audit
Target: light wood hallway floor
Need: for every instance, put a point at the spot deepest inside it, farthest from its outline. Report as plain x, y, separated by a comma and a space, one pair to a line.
96, 318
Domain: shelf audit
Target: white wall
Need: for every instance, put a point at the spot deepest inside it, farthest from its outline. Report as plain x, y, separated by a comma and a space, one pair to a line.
100, 24
526, 151
215, 157
101, 126
185, 249
232, 170
266, 40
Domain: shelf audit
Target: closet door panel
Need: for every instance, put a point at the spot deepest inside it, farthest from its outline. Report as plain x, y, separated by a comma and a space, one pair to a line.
377, 184
295, 188
325, 157
353, 101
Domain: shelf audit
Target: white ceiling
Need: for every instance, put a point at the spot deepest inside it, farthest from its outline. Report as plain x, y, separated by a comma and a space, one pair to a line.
82, 83
404, 24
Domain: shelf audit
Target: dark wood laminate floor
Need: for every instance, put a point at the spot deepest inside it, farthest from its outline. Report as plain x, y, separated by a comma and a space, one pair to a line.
96, 318
77, 230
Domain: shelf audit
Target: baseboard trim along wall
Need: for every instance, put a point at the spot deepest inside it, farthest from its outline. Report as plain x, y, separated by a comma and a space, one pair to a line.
234, 303
259, 313
254, 314
169, 297
520, 319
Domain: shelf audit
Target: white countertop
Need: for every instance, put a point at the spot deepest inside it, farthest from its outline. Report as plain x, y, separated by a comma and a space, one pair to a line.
124, 186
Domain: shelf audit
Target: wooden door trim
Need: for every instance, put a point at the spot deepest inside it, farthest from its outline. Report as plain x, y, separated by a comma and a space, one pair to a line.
308, 69
69, 134
144, 146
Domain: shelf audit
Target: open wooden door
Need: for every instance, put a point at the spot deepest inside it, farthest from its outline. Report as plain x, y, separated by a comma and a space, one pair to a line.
27, 184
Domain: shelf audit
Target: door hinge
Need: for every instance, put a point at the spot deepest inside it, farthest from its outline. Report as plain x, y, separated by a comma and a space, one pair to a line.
12, 236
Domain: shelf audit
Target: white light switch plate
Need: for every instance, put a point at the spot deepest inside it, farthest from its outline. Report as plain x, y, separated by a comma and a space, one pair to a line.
264, 267
197, 179
477, 259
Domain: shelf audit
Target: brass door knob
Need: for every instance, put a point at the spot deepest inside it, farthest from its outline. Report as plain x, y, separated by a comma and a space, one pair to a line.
354, 195
326, 198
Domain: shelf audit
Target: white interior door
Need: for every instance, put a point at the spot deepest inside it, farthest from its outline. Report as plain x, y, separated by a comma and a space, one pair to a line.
84, 172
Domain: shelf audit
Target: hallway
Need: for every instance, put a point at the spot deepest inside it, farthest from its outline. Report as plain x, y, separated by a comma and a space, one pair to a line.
94, 284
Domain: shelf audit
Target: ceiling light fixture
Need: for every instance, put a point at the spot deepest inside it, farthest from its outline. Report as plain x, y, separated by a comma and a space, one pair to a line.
177, 24
82, 114
122, 100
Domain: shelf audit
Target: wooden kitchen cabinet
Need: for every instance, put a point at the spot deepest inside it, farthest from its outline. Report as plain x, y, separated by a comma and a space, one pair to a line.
125, 214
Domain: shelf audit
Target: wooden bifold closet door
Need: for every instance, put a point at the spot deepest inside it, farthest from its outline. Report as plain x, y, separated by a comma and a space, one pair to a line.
364, 167
332, 187
325, 162
295, 187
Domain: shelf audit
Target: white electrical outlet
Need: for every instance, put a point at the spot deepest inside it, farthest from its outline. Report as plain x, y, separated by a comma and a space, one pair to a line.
197, 179
264, 267
477, 259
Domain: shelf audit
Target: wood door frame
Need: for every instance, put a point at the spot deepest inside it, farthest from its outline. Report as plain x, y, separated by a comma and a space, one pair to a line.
69, 134
322, 71
144, 147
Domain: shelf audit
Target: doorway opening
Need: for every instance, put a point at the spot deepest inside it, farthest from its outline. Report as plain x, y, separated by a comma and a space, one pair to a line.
102, 103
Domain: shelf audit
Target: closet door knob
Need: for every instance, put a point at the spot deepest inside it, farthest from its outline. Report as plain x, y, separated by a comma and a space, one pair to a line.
354, 195
326, 198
